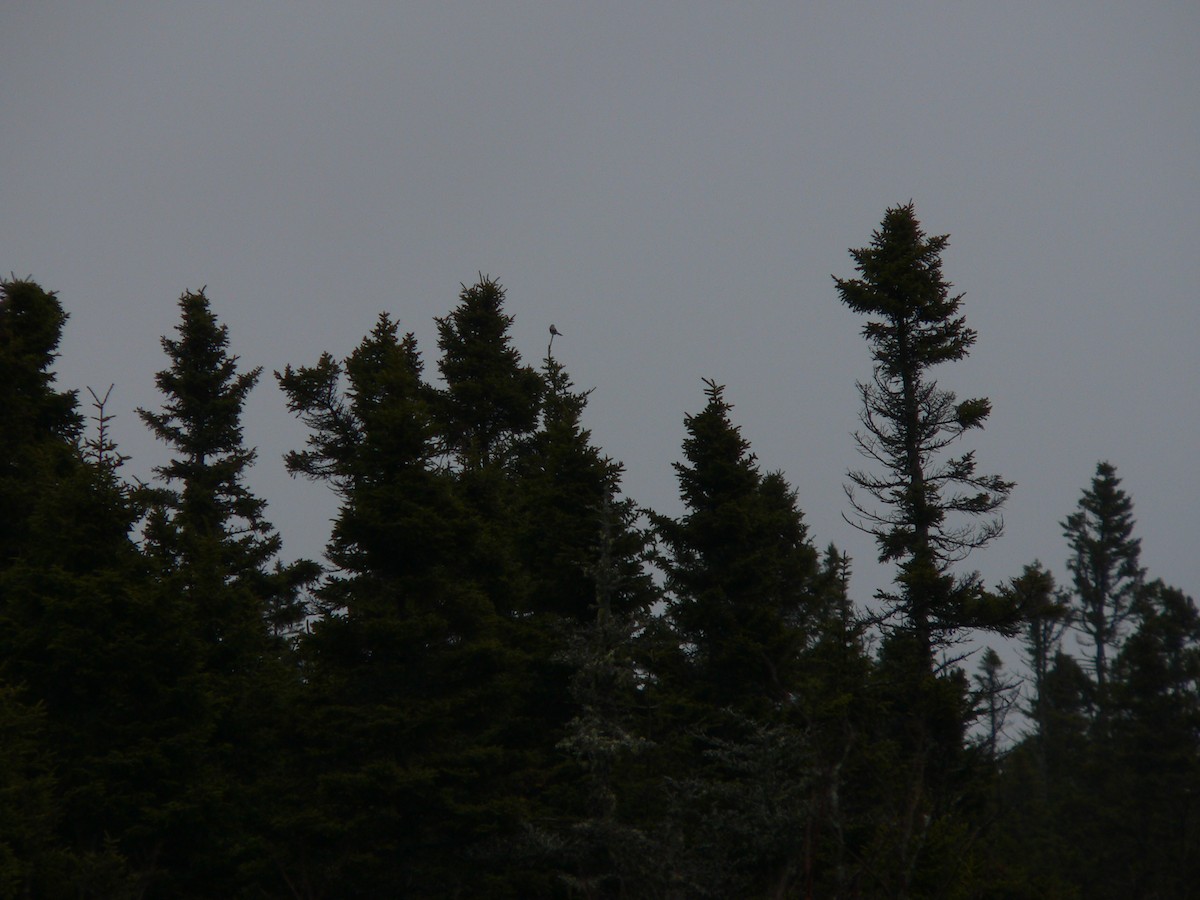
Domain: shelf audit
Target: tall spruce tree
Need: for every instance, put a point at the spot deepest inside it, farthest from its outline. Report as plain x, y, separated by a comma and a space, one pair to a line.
581, 549
740, 571
741, 582
39, 426
1105, 569
105, 669
207, 526
566, 490
410, 678
208, 536
927, 511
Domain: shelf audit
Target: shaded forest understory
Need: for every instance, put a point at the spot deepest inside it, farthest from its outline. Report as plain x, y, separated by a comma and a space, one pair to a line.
506, 679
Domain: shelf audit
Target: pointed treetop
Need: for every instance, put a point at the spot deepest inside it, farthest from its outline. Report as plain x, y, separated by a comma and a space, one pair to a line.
718, 457
201, 421
204, 391
491, 398
901, 283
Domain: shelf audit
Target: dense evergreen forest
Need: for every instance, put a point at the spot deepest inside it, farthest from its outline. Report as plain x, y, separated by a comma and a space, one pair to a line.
506, 679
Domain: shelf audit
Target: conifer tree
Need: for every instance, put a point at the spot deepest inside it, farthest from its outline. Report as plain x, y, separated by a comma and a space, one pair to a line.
39, 425
105, 669
1154, 775
742, 608
29, 809
1105, 569
841, 716
208, 536
491, 399
927, 511
994, 696
739, 569
410, 680
1033, 838
931, 512
207, 525
564, 484
1047, 616
581, 549
601, 851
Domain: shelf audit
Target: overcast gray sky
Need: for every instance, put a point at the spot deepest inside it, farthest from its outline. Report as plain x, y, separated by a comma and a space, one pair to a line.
672, 184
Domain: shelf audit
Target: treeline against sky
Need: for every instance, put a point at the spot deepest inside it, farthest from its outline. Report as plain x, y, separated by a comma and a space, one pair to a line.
506, 679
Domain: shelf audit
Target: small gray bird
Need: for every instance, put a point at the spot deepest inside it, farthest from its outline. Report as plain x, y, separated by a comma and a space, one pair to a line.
554, 331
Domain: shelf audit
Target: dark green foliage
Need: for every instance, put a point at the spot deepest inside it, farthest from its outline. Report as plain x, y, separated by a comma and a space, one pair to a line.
742, 822
490, 400
1156, 741
1047, 616
206, 527
492, 694
1085, 799
598, 850
739, 569
201, 422
929, 512
908, 421
581, 549
38, 424
212, 546
410, 677
564, 485
28, 806
1104, 566
743, 607
108, 667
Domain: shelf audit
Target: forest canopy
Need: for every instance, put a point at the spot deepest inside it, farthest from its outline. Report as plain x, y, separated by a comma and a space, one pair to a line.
506, 678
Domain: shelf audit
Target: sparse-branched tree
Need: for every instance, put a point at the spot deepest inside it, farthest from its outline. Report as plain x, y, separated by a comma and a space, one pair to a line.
929, 511
994, 698
1047, 616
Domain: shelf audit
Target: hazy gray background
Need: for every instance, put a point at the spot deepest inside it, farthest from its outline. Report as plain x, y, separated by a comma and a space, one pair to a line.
672, 184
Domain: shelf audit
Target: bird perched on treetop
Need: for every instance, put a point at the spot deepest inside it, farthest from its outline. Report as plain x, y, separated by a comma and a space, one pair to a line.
554, 330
